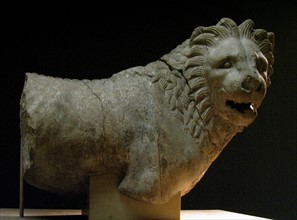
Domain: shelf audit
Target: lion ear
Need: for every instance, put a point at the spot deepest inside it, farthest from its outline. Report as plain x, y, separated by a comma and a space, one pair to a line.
246, 28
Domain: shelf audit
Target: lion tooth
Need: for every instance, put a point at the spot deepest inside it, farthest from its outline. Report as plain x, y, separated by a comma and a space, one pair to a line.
252, 108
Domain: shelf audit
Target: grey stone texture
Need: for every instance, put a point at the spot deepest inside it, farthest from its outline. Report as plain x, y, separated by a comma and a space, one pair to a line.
158, 127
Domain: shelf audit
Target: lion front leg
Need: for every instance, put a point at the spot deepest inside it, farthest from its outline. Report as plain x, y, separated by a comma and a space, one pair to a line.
142, 180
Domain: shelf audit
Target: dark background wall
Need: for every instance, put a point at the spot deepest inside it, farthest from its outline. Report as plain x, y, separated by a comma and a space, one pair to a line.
255, 174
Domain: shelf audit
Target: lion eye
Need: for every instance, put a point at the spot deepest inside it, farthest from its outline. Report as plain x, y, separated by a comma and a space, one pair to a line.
227, 64
224, 64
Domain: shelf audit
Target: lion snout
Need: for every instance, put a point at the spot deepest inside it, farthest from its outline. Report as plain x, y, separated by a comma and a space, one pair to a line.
252, 84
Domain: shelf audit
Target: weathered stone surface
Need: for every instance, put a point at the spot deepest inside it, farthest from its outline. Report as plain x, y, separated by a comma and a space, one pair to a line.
158, 127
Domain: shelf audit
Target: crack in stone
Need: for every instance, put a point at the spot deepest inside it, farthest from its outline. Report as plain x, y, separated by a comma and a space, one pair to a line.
102, 109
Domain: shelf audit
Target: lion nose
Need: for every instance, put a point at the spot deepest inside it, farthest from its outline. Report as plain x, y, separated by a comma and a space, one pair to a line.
251, 83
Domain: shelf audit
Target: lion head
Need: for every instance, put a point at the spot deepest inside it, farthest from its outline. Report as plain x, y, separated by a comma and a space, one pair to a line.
228, 69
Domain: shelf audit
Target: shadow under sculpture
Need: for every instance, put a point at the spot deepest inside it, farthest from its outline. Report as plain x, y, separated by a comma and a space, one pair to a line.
157, 127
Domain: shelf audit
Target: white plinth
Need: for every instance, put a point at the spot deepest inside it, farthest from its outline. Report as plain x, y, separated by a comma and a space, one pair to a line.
184, 214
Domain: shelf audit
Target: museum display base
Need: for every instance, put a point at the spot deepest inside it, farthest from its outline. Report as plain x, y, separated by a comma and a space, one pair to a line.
51, 214
106, 202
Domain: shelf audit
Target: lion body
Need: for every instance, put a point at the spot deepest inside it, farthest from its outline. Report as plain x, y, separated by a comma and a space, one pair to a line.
158, 127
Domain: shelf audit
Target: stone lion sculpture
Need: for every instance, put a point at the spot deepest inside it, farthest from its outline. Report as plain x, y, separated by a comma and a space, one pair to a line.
158, 127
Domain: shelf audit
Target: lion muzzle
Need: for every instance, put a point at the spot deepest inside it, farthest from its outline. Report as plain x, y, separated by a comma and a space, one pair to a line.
250, 84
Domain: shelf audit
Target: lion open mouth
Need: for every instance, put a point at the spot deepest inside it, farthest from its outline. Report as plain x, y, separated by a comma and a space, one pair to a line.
241, 107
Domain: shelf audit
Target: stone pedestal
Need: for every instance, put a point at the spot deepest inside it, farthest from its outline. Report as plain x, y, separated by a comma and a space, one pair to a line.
105, 202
